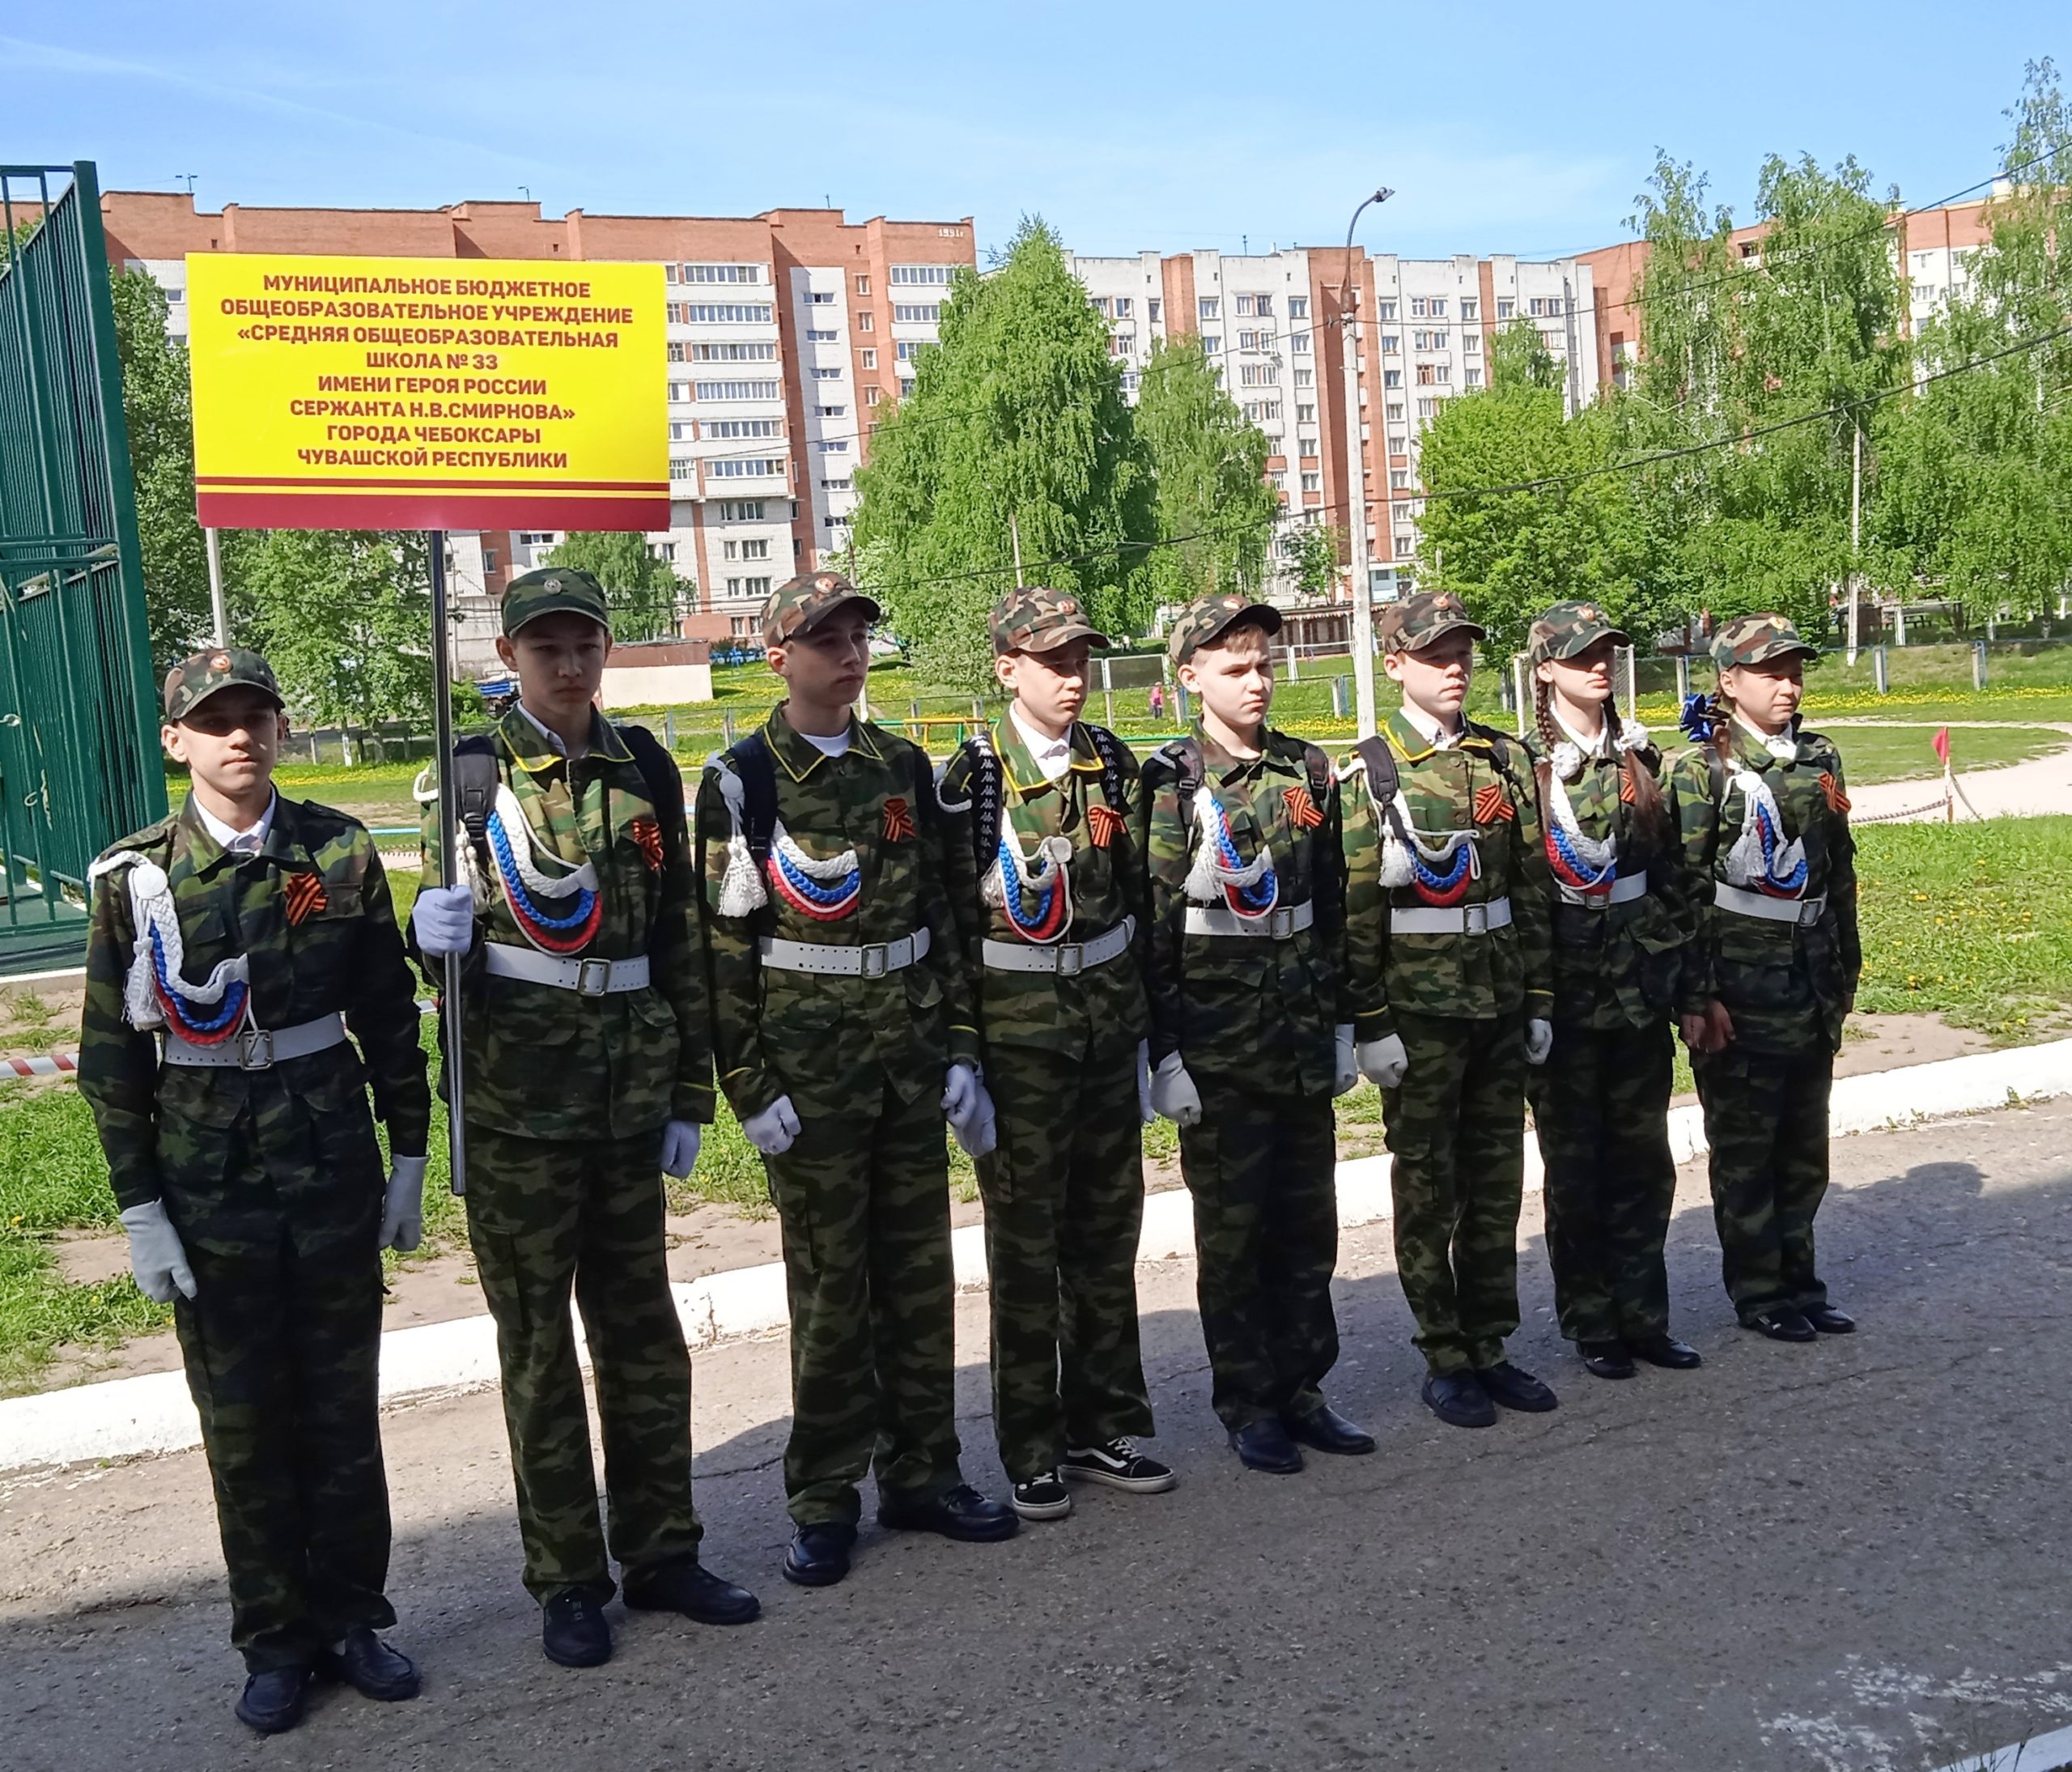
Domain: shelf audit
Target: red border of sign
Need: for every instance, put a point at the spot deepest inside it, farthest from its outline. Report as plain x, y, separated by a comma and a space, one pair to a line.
434, 508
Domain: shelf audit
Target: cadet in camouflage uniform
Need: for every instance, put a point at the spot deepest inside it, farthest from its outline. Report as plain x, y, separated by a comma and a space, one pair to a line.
1769, 865
232, 946
1450, 986
845, 1031
1600, 1103
587, 1071
1048, 917
1244, 966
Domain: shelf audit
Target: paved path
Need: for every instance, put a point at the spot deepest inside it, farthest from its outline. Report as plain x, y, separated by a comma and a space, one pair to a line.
1849, 1557
2022, 790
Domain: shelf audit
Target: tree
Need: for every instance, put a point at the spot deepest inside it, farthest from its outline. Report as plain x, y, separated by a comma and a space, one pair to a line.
644, 592
1017, 423
1518, 357
158, 413
1318, 547
1214, 504
344, 616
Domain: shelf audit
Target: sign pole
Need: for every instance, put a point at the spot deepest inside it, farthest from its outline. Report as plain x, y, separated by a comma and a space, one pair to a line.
449, 856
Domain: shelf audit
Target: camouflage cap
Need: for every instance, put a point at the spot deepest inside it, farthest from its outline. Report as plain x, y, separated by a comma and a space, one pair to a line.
1210, 617
1570, 628
1753, 639
549, 590
805, 601
1414, 623
1033, 619
193, 681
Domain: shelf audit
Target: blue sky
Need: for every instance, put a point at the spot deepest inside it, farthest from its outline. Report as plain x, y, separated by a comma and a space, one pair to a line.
1517, 128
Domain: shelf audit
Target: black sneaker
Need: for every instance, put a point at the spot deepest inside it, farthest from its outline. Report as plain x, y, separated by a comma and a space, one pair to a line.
1043, 1497
573, 1631
1120, 1465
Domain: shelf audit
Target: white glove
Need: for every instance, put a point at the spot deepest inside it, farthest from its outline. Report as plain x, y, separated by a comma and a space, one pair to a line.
680, 1139
772, 1131
402, 1206
980, 1133
1174, 1094
1143, 1109
1539, 1041
444, 920
961, 1092
155, 1255
1383, 1061
1345, 1074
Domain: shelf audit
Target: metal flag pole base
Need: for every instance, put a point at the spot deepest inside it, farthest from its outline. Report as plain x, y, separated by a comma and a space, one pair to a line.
449, 856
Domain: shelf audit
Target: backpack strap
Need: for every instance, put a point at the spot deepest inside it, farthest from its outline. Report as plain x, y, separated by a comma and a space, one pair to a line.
1377, 756
664, 781
983, 786
757, 770
475, 782
1109, 748
1326, 875
1184, 755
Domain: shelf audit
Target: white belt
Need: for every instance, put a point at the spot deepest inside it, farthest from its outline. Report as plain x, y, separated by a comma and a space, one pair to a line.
1624, 889
258, 1048
1452, 919
848, 959
1770, 910
1277, 925
1065, 959
586, 978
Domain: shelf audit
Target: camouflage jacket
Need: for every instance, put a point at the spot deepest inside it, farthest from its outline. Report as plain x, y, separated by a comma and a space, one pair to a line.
1098, 1013
1242, 1008
1480, 785
1786, 985
1617, 966
313, 950
542, 1062
813, 1036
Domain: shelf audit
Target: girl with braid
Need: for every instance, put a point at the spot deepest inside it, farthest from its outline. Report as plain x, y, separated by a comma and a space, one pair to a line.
1600, 1104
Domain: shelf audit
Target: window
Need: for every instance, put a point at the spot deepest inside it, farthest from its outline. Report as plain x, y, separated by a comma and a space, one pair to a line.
730, 550
1313, 482
866, 322
1471, 340
760, 353
1154, 305
489, 559
827, 374
1298, 307
917, 313
837, 486
754, 550
1443, 373
1391, 378
1306, 415
906, 389
679, 353
1438, 307
1470, 377
833, 412
1923, 292
906, 349
1265, 306
1388, 310
681, 431
871, 396
747, 467
1424, 377
833, 522
832, 445
1300, 344
679, 392
1260, 411
1245, 308
1209, 308
1437, 340
1391, 344
1130, 381
822, 298
1470, 308
1256, 375
1427, 407
683, 468
1398, 479
1399, 443
1211, 342
1405, 546
1125, 307
536, 538
744, 428
679, 313
1417, 308
707, 313
1256, 341
862, 284
1306, 448
939, 275
740, 510
753, 587
1305, 378
868, 353
823, 335
1395, 410
1505, 307
720, 273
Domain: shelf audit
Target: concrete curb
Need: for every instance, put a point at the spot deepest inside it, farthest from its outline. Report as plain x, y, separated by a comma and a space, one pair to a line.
153, 1413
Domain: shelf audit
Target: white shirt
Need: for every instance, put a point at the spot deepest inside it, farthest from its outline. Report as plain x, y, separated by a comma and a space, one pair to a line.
555, 742
235, 842
1589, 747
836, 746
1428, 729
1053, 756
1783, 746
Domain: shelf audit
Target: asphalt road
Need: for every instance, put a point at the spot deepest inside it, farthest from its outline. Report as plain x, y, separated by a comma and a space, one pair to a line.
1849, 1557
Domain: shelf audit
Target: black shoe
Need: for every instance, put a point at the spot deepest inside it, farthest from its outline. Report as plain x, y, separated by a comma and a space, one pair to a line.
1666, 1350
372, 1669
1459, 1399
272, 1699
1324, 1429
684, 1584
1515, 1388
573, 1631
1118, 1464
1606, 1359
960, 1512
1044, 1496
1783, 1325
1827, 1320
1264, 1446
819, 1555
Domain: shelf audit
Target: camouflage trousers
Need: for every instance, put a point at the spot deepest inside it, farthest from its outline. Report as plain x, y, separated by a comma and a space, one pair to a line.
280, 1343
863, 1197
1600, 1107
1262, 1172
1455, 1127
547, 1217
1064, 1203
1766, 1120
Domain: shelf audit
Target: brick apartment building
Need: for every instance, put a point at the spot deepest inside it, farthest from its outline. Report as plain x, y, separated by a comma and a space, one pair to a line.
786, 331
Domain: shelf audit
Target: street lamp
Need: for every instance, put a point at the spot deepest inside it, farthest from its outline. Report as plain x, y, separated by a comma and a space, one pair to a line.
1356, 495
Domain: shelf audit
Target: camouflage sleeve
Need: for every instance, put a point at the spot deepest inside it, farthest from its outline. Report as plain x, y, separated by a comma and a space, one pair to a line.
1161, 842
946, 955
1363, 997
118, 1065
1841, 882
432, 872
953, 813
675, 954
1666, 879
1532, 892
733, 965
382, 1012
1694, 834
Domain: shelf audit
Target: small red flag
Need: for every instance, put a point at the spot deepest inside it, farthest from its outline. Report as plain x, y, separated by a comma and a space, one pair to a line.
1942, 747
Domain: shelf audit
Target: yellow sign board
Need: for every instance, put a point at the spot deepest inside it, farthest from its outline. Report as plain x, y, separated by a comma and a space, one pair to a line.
427, 393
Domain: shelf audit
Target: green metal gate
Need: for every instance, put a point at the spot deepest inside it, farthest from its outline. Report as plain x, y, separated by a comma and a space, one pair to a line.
79, 759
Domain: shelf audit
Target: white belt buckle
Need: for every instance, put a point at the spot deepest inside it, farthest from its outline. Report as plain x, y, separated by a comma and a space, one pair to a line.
255, 1050
1071, 959
1474, 920
875, 957
593, 978
1280, 924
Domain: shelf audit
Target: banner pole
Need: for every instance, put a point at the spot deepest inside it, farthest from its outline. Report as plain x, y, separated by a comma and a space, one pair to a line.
449, 857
